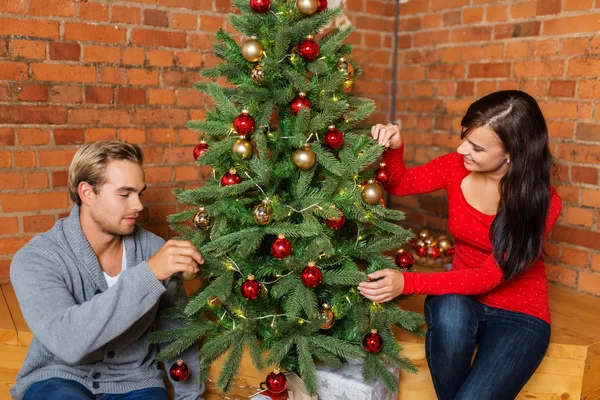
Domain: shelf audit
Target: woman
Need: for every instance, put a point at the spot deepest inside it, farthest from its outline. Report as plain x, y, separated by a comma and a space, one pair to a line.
501, 210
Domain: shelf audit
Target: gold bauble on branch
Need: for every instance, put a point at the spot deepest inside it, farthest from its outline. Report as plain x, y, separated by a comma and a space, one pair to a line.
242, 148
252, 50
371, 192
346, 68
304, 158
307, 7
202, 220
263, 212
327, 316
258, 75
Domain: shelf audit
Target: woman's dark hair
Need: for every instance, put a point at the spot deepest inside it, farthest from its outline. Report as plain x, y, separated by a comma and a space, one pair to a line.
517, 233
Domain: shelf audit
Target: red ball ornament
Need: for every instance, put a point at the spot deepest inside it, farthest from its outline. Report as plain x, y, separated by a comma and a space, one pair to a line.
243, 123
435, 253
308, 49
276, 382
311, 276
299, 102
179, 371
260, 6
200, 149
336, 223
281, 248
250, 288
322, 6
404, 259
449, 252
373, 342
382, 174
421, 251
334, 139
230, 178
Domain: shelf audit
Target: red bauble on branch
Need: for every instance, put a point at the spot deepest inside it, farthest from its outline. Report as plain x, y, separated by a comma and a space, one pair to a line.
334, 139
373, 342
276, 382
308, 49
230, 178
322, 6
260, 6
179, 371
243, 123
404, 259
311, 276
382, 174
299, 102
281, 248
250, 288
200, 149
336, 223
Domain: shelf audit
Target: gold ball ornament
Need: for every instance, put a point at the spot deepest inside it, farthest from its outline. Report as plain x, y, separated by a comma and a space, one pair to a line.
371, 192
346, 68
202, 220
242, 148
307, 7
328, 316
304, 158
187, 276
429, 241
252, 50
443, 243
423, 233
263, 213
420, 242
258, 75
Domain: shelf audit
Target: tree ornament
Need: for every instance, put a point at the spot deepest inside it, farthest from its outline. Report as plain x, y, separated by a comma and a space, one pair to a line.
419, 242
404, 259
276, 381
243, 123
321, 5
179, 371
382, 202
382, 174
311, 276
304, 158
308, 49
434, 252
373, 342
371, 192
252, 50
202, 220
449, 252
263, 213
423, 233
260, 6
346, 68
281, 247
334, 139
429, 241
327, 316
299, 102
250, 289
421, 251
443, 243
230, 178
200, 149
242, 148
187, 276
258, 75
307, 7
336, 223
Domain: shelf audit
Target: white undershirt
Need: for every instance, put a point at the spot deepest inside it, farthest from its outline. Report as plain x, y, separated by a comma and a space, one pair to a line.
111, 280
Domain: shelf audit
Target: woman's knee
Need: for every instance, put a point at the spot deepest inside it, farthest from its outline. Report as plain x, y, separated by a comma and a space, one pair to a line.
452, 311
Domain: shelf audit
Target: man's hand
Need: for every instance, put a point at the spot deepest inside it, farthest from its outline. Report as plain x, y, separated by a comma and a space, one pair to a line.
389, 285
175, 256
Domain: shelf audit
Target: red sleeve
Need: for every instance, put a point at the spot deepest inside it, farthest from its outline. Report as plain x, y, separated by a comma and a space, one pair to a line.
423, 179
471, 281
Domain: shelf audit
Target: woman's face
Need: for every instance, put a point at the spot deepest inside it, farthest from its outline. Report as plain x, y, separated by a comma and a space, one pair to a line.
483, 151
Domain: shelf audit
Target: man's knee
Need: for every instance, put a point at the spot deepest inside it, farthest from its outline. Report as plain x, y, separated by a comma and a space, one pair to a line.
57, 389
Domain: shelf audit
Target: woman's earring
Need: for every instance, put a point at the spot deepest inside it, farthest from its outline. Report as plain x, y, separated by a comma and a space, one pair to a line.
508, 160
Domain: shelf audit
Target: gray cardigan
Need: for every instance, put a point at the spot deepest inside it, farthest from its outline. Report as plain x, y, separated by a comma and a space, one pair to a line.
85, 331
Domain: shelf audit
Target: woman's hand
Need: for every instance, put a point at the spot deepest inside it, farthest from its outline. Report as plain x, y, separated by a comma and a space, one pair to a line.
385, 289
387, 135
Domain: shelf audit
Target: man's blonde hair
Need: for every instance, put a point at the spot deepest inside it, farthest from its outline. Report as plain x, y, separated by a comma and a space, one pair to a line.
90, 161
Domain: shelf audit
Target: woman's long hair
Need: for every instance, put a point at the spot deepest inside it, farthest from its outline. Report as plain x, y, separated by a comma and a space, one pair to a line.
517, 233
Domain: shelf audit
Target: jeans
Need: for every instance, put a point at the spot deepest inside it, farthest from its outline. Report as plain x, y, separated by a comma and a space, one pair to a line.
65, 389
511, 346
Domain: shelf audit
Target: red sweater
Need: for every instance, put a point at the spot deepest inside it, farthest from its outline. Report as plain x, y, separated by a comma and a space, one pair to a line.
474, 270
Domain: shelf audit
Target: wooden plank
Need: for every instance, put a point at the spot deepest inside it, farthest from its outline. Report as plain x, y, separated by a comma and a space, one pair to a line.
24, 335
590, 389
8, 331
10, 362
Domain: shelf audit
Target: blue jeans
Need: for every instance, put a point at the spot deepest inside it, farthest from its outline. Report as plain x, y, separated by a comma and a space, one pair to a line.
511, 346
65, 389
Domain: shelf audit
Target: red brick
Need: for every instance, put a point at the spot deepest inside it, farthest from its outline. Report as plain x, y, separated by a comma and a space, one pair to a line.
48, 8
161, 96
493, 51
489, 70
160, 117
133, 56
66, 94
35, 28
33, 201
565, 109
522, 10
101, 54
148, 37
188, 137
153, 155
165, 135
9, 225
570, 46
538, 68
156, 18
32, 92
33, 137
448, 19
157, 174
12, 6
11, 180
55, 158
576, 24
36, 180
561, 129
188, 59
577, 236
444, 4
95, 134
594, 45
99, 95
589, 282
187, 173
63, 73
132, 135
28, 48
184, 21
190, 4
578, 216
160, 58
578, 153
65, 51
131, 96
23, 158
5, 92
535, 87
576, 5
179, 78
496, 13
3, 47
9, 246
68, 136
210, 23
129, 15
591, 198
13, 71
583, 67
37, 223
32, 115
93, 11
562, 88
446, 72
588, 131
585, 175
60, 178
7, 137
95, 33
523, 29
142, 77
100, 116
431, 38
114, 75
596, 262
548, 7
563, 275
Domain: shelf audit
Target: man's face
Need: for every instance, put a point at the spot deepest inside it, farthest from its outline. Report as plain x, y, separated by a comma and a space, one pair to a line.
117, 205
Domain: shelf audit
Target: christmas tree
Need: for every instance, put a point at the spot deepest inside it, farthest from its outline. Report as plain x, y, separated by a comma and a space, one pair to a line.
293, 218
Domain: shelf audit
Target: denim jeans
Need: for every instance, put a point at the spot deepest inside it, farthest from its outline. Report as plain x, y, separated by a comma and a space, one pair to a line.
511, 346
65, 389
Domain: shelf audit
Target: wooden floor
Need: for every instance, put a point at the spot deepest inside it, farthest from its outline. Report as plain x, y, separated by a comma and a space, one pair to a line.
570, 370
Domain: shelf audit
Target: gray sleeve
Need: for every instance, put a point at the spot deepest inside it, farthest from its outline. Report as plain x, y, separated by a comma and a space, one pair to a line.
53, 315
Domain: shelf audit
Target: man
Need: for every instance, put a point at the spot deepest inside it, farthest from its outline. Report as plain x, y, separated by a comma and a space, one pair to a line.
91, 287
